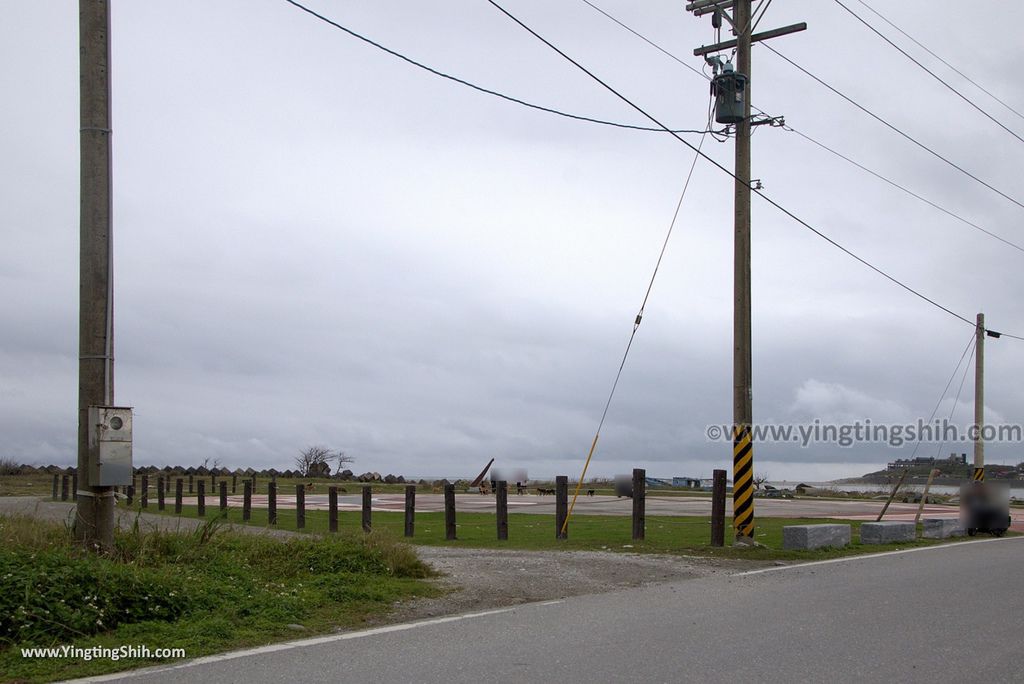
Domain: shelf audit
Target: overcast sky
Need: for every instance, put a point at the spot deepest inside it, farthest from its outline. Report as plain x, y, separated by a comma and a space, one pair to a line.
317, 243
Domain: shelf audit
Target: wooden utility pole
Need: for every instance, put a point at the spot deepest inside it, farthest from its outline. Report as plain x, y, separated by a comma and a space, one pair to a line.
892, 495
924, 495
742, 393
743, 414
94, 521
979, 399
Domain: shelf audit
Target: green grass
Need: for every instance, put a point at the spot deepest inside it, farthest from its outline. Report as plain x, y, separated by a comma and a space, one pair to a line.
205, 591
680, 535
35, 484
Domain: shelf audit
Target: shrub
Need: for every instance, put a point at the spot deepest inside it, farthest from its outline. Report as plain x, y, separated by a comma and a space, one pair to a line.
59, 595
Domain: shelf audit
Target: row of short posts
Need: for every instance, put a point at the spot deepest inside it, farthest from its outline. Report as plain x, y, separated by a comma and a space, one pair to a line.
65, 487
450, 527
194, 484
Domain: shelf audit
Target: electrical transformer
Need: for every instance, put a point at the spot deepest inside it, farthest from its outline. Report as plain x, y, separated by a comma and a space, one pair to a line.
730, 90
110, 445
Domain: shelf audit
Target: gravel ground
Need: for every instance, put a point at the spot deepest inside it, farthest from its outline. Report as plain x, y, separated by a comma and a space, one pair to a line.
475, 579
479, 579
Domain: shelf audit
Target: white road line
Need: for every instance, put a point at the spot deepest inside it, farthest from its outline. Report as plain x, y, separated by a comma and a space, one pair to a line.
302, 643
869, 556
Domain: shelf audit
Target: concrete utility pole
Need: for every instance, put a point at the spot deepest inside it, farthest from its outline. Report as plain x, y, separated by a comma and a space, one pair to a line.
979, 398
742, 21
94, 524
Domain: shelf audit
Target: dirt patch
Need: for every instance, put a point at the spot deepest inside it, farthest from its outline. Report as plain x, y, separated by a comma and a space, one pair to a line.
479, 579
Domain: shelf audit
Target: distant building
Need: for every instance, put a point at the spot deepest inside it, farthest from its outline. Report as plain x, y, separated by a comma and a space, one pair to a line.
921, 461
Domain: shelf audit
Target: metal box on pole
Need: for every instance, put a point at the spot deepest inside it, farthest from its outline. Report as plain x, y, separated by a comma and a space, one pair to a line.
730, 95
110, 445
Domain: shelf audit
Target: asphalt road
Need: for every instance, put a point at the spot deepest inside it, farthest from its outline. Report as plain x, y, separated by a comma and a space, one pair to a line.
948, 613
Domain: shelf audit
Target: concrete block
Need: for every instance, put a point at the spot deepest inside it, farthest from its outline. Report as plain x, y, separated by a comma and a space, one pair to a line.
887, 532
806, 537
942, 528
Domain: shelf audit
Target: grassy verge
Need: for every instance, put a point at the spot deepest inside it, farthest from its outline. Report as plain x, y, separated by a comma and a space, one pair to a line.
205, 591
681, 535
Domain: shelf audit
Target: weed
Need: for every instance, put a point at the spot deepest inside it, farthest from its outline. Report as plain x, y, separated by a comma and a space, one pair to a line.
204, 590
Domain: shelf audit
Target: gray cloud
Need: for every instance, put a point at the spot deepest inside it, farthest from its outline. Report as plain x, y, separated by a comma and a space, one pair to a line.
318, 243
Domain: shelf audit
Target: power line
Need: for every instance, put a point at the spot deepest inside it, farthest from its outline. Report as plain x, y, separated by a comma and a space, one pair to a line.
946, 389
956, 400
649, 42
905, 189
636, 326
953, 68
660, 129
764, 10
772, 202
479, 88
813, 140
816, 142
930, 72
893, 127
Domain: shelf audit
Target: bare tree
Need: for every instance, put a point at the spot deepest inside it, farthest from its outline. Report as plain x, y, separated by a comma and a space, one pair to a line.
316, 460
759, 479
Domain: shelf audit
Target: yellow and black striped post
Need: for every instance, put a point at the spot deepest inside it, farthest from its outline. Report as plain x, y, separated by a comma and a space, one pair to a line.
743, 482
979, 474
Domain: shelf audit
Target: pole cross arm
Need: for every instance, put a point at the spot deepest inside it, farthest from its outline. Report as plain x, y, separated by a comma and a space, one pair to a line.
702, 7
757, 37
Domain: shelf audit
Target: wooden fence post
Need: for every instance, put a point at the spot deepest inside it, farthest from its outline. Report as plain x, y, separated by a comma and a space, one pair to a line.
224, 498
718, 508
234, 483
639, 503
367, 507
64, 488
924, 495
246, 501
200, 498
161, 493
131, 494
501, 503
272, 502
561, 506
74, 486
300, 506
144, 492
56, 486
410, 510
449, 511
190, 480
178, 487
332, 508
